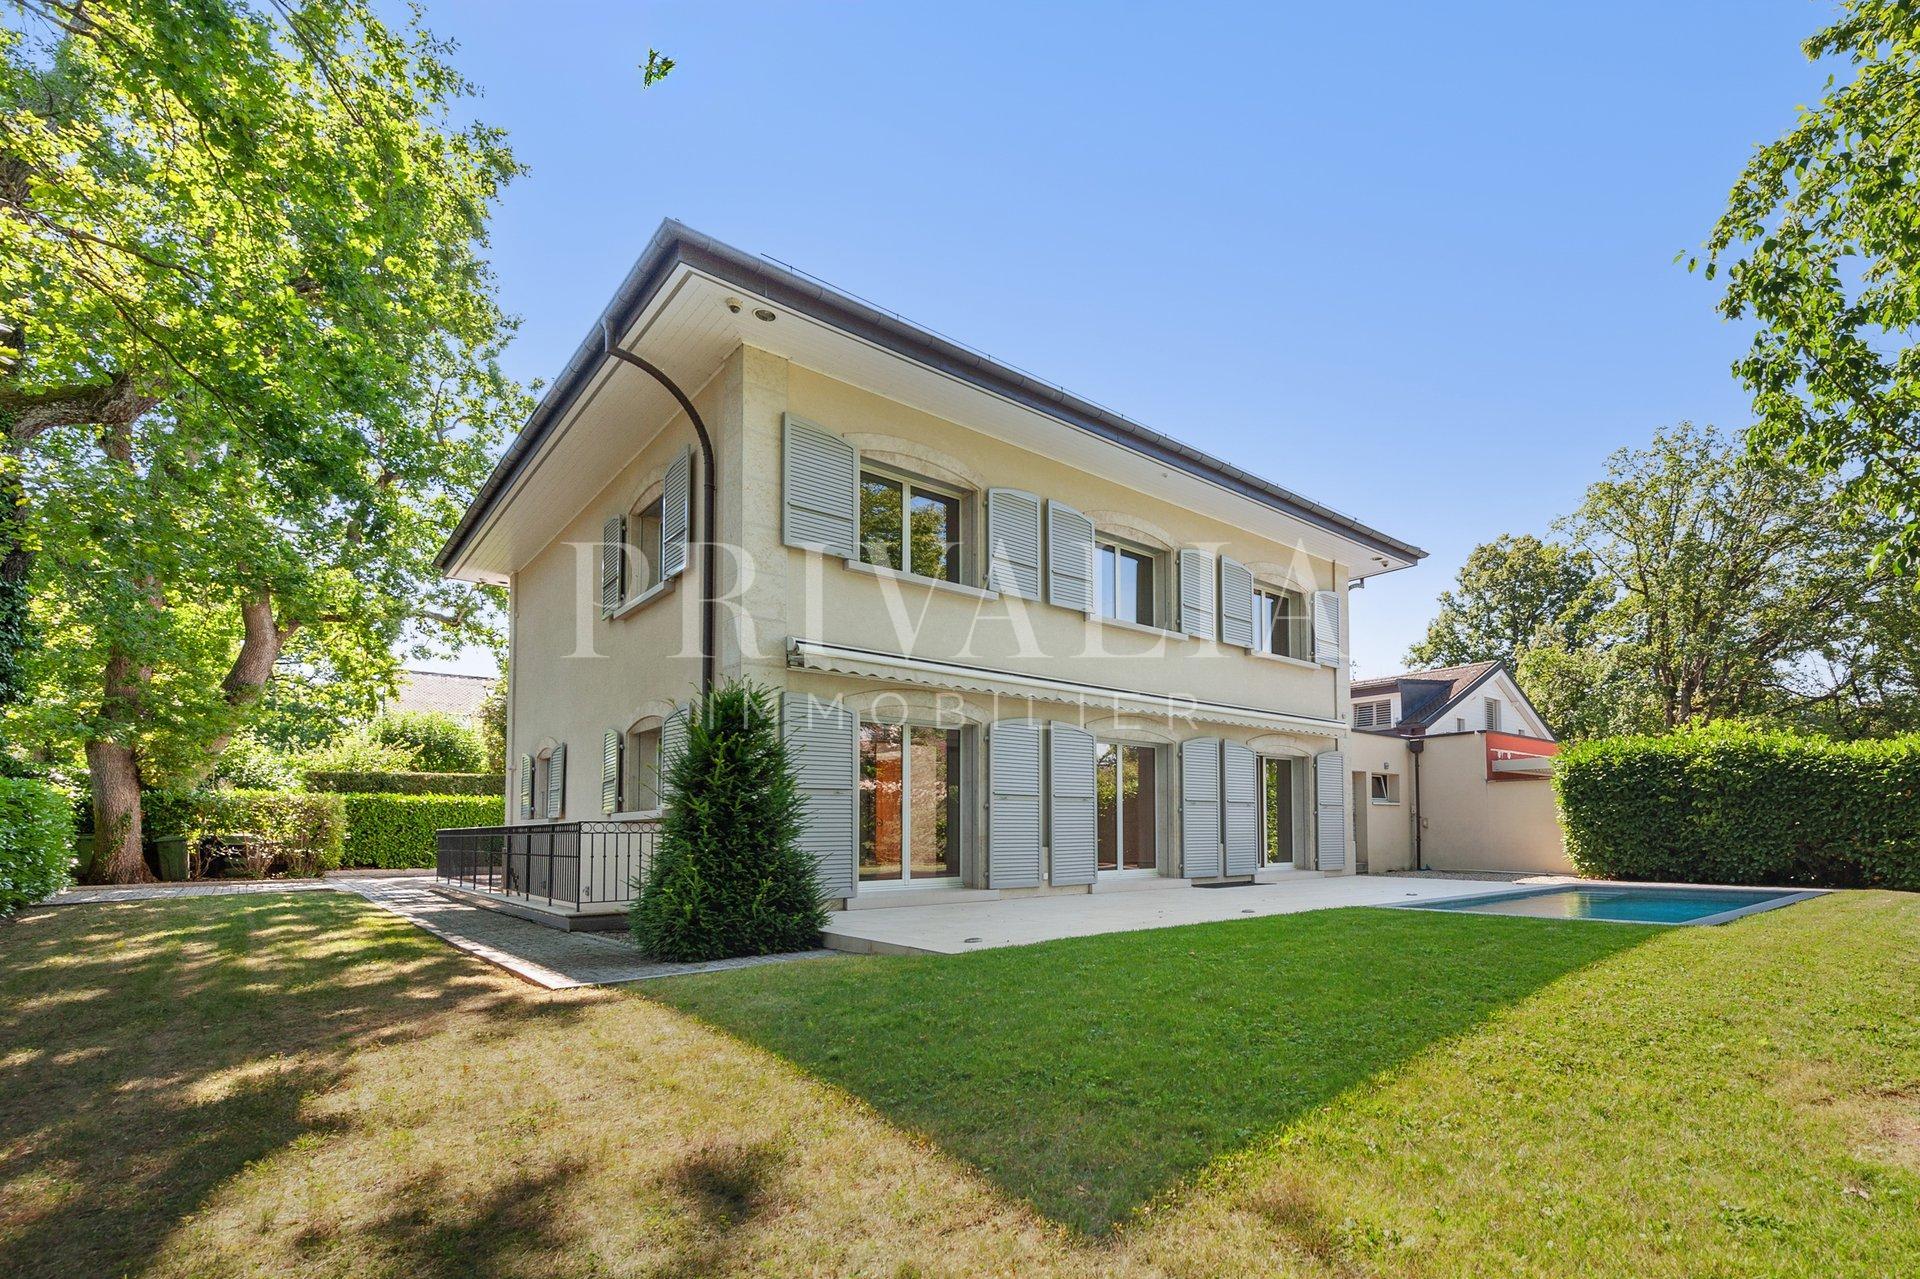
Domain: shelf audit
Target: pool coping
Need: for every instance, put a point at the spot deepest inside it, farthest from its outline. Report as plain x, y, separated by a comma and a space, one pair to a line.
1781, 897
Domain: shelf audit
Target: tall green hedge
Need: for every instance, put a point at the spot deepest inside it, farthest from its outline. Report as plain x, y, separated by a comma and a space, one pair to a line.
396, 832
380, 783
1739, 806
299, 833
36, 841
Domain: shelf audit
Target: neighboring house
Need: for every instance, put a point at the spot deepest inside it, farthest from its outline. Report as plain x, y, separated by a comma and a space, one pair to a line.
1480, 697
1020, 644
1462, 736
461, 696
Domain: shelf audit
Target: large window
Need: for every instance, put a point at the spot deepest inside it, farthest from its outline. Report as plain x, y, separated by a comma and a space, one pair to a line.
1128, 582
910, 525
1280, 622
1126, 814
1280, 780
909, 803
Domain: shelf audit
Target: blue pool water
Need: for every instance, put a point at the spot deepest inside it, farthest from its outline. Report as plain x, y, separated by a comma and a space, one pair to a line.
1626, 905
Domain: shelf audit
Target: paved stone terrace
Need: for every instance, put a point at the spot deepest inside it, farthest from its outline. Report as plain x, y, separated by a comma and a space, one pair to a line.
546, 957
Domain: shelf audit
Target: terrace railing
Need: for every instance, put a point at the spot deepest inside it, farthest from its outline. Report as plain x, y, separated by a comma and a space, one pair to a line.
564, 865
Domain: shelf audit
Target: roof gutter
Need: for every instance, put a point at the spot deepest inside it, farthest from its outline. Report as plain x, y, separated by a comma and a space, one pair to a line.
675, 244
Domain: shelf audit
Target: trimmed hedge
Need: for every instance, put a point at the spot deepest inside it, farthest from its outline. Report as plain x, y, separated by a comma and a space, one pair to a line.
1739, 806
396, 832
36, 841
299, 833
371, 783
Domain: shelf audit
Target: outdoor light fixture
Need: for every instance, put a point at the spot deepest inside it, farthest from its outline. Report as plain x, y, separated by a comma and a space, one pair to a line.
761, 313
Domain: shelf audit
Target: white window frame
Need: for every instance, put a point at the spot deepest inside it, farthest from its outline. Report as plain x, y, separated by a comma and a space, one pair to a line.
648, 559
542, 770
1383, 788
1160, 606
964, 763
1121, 746
1302, 817
635, 767
1490, 707
1299, 628
1378, 713
910, 484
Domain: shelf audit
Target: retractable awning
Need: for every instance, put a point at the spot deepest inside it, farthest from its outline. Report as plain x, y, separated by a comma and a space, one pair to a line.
839, 659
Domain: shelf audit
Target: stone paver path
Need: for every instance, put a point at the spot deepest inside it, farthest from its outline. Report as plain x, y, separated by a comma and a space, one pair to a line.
547, 957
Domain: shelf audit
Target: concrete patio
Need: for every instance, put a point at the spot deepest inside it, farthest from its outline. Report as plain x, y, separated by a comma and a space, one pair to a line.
977, 924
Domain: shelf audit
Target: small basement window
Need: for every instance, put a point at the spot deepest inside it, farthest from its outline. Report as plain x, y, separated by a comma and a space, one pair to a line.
1384, 788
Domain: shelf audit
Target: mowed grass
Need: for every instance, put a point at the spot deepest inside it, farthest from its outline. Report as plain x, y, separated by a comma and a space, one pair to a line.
304, 1085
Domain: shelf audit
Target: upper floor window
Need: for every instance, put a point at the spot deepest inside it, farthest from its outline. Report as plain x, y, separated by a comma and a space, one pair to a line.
1373, 714
1129, 582
646, 531
911, 525
1280, 622
1493, 714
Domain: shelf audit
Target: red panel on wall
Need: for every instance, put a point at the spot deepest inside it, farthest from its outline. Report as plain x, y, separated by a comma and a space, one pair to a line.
1507, 747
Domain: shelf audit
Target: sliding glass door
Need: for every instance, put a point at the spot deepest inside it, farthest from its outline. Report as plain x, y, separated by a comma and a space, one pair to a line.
1126, 814
1277, 811
909, 803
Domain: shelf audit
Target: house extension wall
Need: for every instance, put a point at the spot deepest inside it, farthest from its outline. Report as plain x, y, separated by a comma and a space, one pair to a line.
1471, 822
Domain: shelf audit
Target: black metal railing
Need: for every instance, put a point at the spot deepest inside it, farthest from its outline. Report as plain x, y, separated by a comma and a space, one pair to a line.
570, 864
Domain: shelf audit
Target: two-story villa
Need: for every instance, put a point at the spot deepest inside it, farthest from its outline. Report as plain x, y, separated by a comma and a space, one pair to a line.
1021, 643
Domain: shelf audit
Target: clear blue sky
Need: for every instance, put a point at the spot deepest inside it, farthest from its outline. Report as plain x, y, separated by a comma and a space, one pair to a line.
1417, 266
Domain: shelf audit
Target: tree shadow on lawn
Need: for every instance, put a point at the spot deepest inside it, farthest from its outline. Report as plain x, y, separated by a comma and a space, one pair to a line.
150, 1051
1088, 1075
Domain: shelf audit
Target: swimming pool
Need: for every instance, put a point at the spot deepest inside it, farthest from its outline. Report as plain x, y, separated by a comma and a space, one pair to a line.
1622, 904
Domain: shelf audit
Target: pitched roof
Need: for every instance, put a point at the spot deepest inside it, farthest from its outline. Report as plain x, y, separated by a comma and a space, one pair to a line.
460, 696
1425, 694
675, 244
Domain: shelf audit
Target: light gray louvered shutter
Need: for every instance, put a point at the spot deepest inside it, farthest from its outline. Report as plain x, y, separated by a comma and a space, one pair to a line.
673, 744
1330, 810
1236, 603
1196, 593
676, 512
610, 751
1069, 558
1013, 543
1200, 808
1326, 628
1070, 804
557, 781
613, 564
823, 746
1013, 806
1240, 796
822, 490
526, 787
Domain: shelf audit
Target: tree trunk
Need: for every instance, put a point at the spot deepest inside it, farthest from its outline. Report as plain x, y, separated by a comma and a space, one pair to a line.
115, 773
252, 667
16, 562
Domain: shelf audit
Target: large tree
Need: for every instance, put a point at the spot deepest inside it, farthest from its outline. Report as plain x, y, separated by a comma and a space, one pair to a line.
1512, 593
1730, 570
248, 366
1820, 246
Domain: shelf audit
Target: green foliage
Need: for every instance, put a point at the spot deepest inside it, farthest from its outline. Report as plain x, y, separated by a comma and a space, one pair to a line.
358, 752
1511, 594
1821, 251
406, 783
728, 876
251, 764
36, 841
493, 723
397, 831
298, 833
248, 357
439, 742
1738, 805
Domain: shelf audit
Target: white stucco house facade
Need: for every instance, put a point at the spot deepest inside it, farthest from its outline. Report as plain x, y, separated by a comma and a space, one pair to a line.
1020, 644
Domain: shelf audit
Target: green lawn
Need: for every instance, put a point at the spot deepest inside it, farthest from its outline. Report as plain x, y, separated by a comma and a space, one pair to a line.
301, 1084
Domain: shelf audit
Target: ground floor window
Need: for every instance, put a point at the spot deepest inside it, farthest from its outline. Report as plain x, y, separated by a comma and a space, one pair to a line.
640, 779
1383, 788
909, 802
1127, 813
1278, 780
